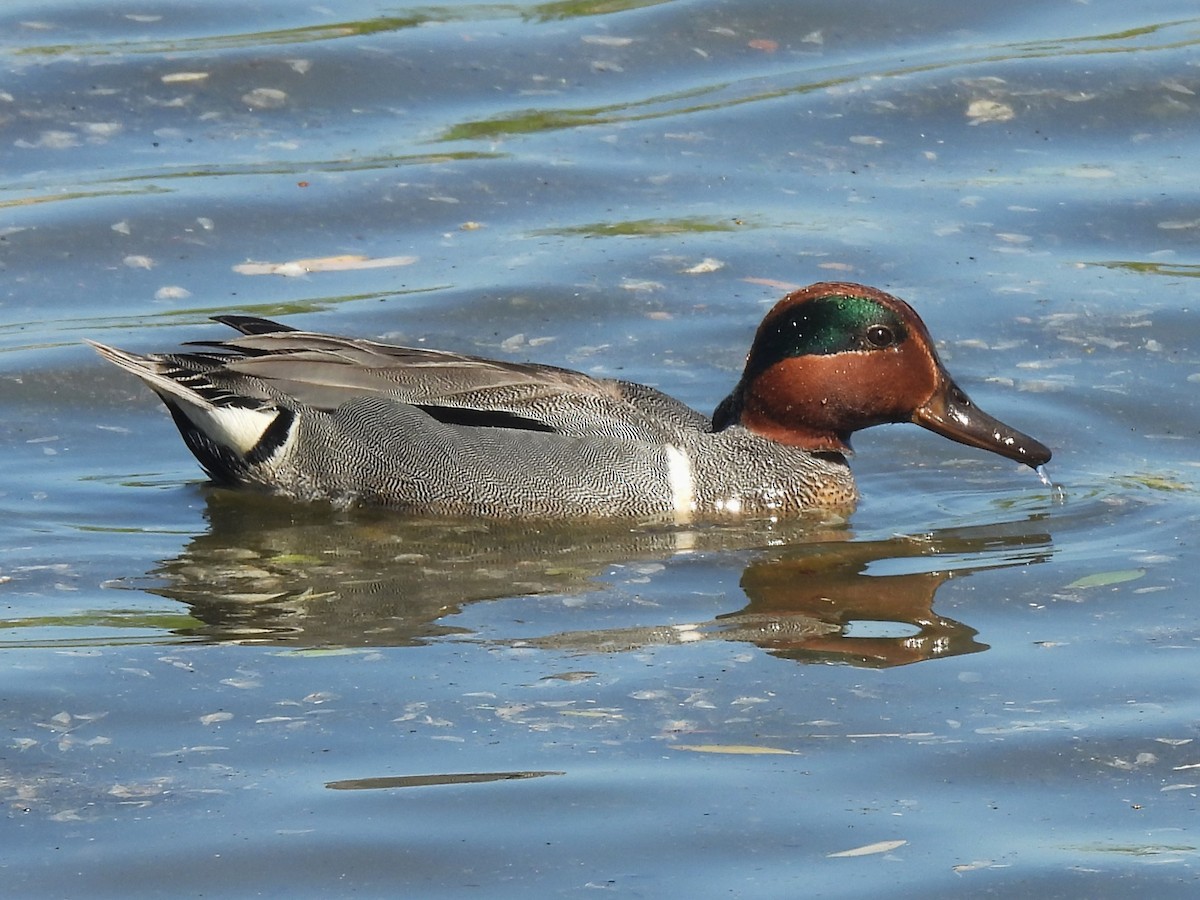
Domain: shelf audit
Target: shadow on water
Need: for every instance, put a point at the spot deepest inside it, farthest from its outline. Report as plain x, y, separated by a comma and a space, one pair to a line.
272, 572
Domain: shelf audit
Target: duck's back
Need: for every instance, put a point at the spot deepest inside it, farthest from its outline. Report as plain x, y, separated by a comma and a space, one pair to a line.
326, 372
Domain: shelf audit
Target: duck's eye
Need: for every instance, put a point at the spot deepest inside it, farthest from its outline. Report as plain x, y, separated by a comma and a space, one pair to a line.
881, 336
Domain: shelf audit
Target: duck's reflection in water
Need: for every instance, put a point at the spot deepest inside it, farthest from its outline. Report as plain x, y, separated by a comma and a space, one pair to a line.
270, 571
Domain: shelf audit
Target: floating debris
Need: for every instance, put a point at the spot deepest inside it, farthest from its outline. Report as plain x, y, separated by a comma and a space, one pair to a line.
706, 265
178, 77
983, 111
399, 781
345, 263
734, 749
867, 849
1105, 579
265, 98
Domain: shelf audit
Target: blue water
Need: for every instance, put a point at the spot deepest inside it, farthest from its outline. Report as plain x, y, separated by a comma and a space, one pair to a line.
974, 686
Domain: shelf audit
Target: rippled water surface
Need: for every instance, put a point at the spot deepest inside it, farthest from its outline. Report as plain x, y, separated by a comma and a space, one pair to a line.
975, 686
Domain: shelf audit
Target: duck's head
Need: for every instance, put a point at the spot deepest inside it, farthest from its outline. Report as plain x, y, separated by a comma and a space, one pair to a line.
836, 357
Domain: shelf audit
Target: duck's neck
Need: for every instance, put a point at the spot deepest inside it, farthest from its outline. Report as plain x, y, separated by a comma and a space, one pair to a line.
741, 408
728, 411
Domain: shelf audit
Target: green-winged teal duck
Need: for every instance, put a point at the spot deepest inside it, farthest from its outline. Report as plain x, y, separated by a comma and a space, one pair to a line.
313, 416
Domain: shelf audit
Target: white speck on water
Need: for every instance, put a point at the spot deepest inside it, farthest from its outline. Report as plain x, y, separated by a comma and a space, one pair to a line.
648, 568
138, 262
242, 683
99, 132
868, 849
640, 285
604, 40
178, 77
1045, 385
706, 265
320, 697
265, 98
748, 701
50, 140
650, 695
983, 111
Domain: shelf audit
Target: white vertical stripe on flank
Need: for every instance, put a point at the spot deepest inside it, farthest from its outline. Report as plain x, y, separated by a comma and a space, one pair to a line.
681, 482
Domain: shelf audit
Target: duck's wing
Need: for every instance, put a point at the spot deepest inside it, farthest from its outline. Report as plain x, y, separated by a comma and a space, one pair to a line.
325, 372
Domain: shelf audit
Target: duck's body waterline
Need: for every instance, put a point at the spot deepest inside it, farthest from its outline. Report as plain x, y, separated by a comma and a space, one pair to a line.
313, 416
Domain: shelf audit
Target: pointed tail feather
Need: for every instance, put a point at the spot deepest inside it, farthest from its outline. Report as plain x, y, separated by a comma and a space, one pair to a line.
227, 433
